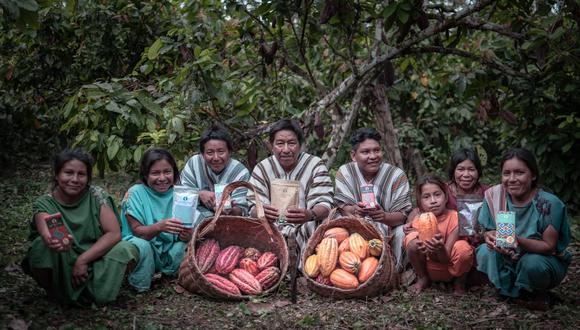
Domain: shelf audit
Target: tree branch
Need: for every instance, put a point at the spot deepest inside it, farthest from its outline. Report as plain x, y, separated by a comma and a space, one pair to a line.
479, 24
375, 63
488, 59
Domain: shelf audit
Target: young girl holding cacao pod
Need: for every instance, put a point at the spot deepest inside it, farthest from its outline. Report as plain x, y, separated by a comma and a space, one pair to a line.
147, 219
433, 244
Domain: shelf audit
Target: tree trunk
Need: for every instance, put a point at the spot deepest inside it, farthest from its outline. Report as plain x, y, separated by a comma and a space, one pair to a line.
385, 126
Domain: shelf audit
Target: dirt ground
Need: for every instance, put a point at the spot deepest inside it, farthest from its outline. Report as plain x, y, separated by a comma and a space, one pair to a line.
24, 306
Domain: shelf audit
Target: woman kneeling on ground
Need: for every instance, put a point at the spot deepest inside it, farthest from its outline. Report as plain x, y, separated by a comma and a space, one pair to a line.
539, 260
87, 264
443, 258
147, 219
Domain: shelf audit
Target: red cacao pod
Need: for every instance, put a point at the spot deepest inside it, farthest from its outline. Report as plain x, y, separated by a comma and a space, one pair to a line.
249, 265
206, 254
266, 260
268, 277
222, 284
228, 259
324, 280
245, 281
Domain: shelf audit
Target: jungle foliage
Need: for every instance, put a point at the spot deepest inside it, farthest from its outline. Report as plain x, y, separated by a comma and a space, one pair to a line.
116, 76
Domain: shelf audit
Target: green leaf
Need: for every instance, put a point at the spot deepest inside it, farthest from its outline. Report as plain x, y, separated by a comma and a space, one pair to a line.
112, 149
389, 10
113, 107
567, 146
153, 51
138, 153
403, 16
29, 5
177, 125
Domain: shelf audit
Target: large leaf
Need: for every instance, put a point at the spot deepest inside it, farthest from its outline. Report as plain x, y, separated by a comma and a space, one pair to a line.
153, 51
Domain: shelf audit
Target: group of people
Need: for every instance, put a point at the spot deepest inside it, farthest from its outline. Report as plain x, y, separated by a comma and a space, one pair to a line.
147, 240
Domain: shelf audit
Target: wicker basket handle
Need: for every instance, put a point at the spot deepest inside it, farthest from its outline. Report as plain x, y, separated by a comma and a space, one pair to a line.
362, 221
227, 191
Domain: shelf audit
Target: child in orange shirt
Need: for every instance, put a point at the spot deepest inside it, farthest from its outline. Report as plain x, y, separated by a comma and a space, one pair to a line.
443, 258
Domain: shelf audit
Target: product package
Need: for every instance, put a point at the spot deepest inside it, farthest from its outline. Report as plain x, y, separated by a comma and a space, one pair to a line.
57, 228
505, 236
468, 207
218, 190
368, 196
284, 194
184, 204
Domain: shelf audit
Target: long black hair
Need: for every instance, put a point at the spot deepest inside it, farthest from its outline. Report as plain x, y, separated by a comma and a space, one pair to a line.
67, 155
150, 157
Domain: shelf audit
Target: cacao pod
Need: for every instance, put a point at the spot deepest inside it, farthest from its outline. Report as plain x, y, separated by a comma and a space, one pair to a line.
427, 224
252, 253
327, 255
267, 259
340, 278
344, 246
311, 267
268, 277
375, 247
222, 284
337, 232
349, 262
206, 254
358, 245
367, 269
245, 281
228, 259
323, 280
249, 265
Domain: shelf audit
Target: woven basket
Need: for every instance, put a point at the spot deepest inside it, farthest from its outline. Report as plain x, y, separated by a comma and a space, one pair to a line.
229, 230
384, 277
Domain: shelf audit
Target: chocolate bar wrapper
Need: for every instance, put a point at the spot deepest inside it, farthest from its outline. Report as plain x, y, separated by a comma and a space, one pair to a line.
505, 236
368, 196
57, 228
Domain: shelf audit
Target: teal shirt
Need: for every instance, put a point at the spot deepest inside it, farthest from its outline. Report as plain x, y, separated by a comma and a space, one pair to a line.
533, 219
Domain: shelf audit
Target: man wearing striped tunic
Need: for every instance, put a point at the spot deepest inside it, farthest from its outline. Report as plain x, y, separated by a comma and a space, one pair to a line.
290, 163
212, 166
389, 185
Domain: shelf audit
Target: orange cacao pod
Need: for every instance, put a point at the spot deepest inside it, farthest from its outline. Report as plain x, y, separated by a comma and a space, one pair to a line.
337, 232
367, 268
344, 246
268, 277
327, 255
311, 267
266, 260
206, 254
222, 284
349, 262
358, 245
249, 265
245, 281
228, 259
427, 224
343, 279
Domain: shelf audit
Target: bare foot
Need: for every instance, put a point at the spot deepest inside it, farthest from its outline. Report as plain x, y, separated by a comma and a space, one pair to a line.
458, 289
422, 284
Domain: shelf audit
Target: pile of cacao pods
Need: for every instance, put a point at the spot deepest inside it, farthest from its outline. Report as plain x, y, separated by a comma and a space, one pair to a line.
236, 270
344, 260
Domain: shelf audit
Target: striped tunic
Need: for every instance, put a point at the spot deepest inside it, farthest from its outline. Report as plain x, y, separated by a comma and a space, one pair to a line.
315, 189
198, 175
391, 188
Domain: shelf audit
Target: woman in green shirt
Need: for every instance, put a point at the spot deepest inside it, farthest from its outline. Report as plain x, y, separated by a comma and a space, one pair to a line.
539, 260
89, 264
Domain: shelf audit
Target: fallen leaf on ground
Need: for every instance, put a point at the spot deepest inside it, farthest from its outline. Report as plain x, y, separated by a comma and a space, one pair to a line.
178, 288
260, 308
